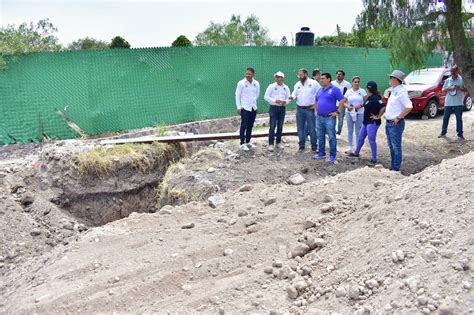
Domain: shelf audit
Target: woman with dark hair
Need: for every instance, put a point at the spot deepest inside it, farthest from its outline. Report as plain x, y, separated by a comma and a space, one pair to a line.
354, 103
373, 111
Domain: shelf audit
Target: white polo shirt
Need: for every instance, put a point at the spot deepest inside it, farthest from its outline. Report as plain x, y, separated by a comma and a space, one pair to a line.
246, 94
397, 102
341, 86
356, 98
277, 92
305, 94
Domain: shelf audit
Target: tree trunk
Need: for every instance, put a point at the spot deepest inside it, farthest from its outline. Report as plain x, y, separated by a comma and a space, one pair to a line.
462, 48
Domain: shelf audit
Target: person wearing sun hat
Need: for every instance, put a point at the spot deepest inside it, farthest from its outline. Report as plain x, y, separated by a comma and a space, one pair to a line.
373, 111
277, 95
398, 106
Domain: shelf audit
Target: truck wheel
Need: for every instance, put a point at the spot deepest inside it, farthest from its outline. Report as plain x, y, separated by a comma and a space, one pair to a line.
431, 109
467, 103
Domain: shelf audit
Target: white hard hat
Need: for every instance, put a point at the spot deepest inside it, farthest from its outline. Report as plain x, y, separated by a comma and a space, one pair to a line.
279, 74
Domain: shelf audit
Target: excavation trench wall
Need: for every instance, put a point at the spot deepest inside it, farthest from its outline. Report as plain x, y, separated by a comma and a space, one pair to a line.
96, 199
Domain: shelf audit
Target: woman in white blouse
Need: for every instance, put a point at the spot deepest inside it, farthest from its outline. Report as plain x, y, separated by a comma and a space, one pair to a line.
354, 102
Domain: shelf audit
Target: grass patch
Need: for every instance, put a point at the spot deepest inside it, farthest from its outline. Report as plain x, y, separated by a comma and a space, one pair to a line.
142, 157
161, 130
208, 154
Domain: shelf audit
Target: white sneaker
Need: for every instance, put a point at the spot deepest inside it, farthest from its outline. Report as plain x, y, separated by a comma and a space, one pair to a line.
338, 136
349, 150
251, 145
270, 148
244, 147
279, 146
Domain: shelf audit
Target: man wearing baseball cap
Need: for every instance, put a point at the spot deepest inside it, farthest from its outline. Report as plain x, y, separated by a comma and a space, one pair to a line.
277, 95
398, 106
454, 103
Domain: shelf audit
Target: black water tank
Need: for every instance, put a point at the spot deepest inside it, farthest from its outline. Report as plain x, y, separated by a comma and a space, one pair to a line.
305, 37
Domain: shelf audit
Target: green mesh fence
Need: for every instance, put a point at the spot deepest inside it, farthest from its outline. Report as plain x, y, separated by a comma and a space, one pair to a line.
122, 89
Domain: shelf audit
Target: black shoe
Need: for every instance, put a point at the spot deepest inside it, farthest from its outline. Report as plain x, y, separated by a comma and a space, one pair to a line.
301, 150
373, 162
461, 138
353, 155
443, 135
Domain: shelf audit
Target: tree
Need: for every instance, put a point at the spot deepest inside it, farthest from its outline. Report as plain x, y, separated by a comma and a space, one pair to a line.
374, 39
119, 42
88, 43
416, 27
181, 41
27, 38
234, 33
340, 40
284, 41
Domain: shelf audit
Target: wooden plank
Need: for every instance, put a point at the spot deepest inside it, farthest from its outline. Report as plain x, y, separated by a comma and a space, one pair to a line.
191, 137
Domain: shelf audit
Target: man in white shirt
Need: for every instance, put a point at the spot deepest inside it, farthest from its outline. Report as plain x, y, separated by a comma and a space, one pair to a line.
246, 95
305, 93
343, 85
277, 95
398, 106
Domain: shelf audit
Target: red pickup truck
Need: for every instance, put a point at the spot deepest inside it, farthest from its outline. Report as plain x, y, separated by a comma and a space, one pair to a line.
424, 89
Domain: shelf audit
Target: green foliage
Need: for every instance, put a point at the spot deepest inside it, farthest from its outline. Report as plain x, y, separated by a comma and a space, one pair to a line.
373, 39
181, 41
119, 42
27, 38
413, 28
284, 41
235, 33
88, 43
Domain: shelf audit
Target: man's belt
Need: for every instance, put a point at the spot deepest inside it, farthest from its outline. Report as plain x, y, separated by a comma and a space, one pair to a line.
303, 107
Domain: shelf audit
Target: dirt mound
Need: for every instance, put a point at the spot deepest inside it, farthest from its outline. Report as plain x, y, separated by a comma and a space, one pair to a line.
365, 240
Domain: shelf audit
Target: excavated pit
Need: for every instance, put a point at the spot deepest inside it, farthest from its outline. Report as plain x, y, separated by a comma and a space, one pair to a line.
95, 197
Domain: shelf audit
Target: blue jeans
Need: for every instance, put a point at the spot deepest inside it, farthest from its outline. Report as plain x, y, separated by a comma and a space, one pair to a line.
350, 128
306, 132
369, 130
340, 121
327, 125
246, 125
394, 138
305, 116
277, 118
448, 110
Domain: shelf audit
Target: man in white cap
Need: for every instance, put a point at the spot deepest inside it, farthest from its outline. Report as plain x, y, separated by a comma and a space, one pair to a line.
277, 95
246, 95
398, 106
454, 102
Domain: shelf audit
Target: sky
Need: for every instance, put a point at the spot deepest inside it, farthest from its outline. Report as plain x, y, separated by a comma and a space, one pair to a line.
156, 23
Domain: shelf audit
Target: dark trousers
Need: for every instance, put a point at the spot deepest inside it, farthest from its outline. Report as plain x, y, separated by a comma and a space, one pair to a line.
277, 118
448, 110
246, 125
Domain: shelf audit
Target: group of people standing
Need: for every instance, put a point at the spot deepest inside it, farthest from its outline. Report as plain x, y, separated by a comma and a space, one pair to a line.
322, 104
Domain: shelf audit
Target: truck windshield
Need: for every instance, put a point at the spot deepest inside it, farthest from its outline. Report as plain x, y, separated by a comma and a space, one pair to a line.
423, 77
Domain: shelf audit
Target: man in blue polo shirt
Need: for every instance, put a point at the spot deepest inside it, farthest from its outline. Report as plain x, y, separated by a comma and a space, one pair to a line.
327, 112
